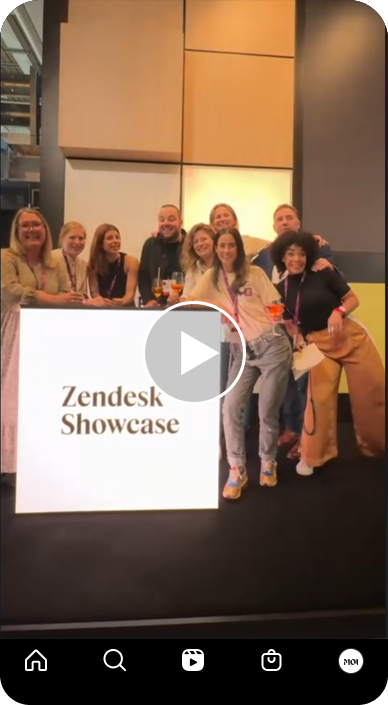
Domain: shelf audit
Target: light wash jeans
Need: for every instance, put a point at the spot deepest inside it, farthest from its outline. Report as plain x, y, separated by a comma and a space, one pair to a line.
248, 412
272, 360
225, 363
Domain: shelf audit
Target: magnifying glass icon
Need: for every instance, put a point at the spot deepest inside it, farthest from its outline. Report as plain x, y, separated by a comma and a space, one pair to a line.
115, 665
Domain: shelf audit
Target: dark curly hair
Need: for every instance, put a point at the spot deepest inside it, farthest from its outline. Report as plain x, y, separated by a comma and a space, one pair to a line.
283, 242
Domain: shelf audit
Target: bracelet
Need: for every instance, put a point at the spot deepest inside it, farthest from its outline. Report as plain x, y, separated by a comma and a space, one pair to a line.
341, 310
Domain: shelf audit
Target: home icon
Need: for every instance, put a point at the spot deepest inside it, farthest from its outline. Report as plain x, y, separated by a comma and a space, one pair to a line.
35, 661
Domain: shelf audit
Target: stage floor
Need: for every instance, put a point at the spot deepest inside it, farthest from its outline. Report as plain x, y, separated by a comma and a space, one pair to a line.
308, 545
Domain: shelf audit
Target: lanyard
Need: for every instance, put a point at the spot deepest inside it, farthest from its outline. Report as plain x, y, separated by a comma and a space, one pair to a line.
72, 277
297, 303
233, 297
42, 285
113, 282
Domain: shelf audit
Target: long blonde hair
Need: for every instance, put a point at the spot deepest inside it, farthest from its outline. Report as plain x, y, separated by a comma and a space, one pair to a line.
16, 246
189, 258
229, 209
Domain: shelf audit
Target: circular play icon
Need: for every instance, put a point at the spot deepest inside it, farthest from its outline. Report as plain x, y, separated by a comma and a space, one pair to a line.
183, 352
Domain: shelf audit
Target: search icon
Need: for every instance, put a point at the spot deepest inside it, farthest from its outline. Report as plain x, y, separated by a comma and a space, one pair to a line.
116, 665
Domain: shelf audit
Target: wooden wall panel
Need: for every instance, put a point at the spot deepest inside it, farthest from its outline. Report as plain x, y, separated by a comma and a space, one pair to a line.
246, 26
238, 110
121, 80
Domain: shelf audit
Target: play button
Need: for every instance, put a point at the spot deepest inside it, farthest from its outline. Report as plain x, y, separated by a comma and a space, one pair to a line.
183, 353
194, 353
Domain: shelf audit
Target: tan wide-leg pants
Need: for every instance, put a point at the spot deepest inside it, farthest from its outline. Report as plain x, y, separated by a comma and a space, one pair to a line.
353, 350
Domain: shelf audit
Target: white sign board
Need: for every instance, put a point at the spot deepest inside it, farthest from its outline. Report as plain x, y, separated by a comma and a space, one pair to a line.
94, 433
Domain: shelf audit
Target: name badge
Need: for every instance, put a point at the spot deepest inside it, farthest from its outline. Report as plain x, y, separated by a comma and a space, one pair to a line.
248, 292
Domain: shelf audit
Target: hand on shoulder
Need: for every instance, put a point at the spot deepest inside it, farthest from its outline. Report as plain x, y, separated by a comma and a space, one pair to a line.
321, 242
321, 264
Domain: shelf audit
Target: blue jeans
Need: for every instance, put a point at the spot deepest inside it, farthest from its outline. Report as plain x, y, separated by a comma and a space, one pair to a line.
249, 411
292, 411
271, 362
251, 406
295, 403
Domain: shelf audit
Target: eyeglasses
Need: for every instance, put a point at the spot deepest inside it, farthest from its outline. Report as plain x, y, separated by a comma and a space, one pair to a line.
35, 225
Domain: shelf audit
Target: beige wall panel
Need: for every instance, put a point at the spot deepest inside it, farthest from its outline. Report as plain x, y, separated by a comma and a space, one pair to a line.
253, 193
238, 110
127, 195
247, 26
121, 79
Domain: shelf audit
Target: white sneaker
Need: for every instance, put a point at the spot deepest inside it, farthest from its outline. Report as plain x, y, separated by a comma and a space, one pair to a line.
303, 469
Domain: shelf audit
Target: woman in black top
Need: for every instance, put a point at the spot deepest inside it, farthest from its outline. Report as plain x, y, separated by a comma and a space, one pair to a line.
112, 274
317, 306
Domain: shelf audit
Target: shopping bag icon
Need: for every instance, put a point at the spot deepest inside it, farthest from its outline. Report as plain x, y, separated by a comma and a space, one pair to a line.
271, 661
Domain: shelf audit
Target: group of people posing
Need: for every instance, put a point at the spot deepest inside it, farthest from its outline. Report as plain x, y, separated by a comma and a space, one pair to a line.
242, 275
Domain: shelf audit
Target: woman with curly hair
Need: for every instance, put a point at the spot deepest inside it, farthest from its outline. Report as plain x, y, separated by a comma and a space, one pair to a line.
317, 308
196, 257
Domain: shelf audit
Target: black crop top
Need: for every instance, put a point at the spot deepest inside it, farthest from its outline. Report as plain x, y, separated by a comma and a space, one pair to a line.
320, 293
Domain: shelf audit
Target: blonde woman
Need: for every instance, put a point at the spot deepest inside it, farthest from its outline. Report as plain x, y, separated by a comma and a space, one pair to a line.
72, 241
196, 257
224, 216
112, 273
29, 275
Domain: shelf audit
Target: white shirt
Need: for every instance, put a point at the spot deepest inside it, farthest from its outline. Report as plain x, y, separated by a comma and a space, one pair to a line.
191, 280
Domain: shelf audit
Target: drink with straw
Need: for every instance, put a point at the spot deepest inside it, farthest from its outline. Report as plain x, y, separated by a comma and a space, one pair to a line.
157, 288
275, 311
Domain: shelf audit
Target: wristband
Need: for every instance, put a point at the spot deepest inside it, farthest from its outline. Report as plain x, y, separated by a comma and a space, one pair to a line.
341, 310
